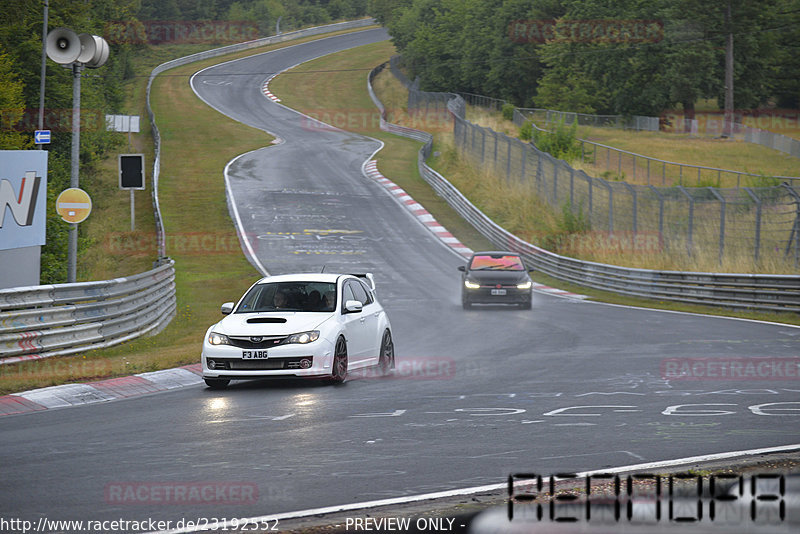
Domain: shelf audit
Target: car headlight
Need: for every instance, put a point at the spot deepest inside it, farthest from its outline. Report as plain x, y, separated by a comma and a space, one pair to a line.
218, 339
469, 284
303, 337
524, 285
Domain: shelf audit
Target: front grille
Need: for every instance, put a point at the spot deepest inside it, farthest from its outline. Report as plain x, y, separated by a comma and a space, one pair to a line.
269, 364
266, 343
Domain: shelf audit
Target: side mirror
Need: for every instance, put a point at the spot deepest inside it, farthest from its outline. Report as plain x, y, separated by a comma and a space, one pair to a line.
353, 306
462, 268
227, 308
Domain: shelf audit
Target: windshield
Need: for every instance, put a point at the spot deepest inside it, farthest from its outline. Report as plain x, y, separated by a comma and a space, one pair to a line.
290, 296
500, 262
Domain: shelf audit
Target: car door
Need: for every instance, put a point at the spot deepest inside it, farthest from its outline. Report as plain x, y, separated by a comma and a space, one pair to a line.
355, 328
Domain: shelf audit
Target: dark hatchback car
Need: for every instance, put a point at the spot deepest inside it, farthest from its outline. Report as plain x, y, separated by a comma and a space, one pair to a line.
495, 278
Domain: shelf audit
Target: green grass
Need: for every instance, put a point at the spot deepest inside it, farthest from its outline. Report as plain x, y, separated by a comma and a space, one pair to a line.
726, 154
342, 91
197, 143
335, 87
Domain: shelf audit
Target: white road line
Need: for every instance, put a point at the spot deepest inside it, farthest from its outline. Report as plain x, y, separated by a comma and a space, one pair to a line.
480, 489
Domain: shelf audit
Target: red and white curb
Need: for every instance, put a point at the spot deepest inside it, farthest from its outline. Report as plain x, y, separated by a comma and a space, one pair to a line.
124, 387
416, 209
266, 91
371, 170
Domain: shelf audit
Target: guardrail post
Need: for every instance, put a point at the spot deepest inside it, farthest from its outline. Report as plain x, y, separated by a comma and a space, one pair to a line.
508, 160
483, 144
632, 191
795, 227
757, 200
495, 135
610, 205
689, 242
660, 212
555, 182
721, 222
571, 186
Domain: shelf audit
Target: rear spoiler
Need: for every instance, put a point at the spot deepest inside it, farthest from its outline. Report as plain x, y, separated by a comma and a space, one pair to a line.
368, 277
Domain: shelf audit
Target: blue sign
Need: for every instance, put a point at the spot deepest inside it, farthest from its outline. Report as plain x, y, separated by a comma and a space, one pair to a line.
41, 137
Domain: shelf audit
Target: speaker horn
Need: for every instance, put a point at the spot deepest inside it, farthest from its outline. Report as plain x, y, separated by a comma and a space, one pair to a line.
63, 46
94, 50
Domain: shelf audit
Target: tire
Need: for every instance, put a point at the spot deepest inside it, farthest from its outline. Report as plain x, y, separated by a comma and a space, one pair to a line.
526, 305
465, 303
216, 383
339, 367
386, 358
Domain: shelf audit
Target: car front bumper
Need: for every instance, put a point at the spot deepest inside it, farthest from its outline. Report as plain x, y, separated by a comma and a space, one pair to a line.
302, 360
488, 295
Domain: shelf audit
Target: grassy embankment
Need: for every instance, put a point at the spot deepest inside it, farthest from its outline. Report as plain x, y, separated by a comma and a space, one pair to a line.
336, 91
726, 154
197, 143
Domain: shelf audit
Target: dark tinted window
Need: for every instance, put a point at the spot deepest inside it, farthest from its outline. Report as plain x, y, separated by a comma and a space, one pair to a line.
501, 262
347, 293
360, 293
289, 296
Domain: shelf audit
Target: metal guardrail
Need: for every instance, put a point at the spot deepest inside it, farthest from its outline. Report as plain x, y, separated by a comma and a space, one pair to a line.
55, 320
755, 291
299, 34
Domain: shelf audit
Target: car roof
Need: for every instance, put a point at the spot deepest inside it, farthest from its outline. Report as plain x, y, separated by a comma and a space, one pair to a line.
301, 277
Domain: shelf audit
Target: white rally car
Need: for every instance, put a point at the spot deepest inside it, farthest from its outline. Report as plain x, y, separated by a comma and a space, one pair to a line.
306, 325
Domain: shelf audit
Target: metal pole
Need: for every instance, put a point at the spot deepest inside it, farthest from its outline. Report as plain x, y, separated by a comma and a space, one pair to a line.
44, 70
72, 253
133, 201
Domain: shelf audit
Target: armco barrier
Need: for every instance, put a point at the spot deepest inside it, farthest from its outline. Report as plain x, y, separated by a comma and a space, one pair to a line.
757, 291
55, 320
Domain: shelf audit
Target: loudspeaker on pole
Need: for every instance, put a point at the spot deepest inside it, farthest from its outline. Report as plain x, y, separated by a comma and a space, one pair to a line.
94, 50
63, 46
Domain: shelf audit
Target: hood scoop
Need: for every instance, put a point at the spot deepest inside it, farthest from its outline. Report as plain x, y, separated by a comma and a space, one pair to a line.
273, 320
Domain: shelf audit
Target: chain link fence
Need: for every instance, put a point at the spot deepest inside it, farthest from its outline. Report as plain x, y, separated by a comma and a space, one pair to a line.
747, 223
616, 164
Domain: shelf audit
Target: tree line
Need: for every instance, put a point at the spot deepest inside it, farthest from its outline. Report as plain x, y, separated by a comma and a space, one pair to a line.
624, 57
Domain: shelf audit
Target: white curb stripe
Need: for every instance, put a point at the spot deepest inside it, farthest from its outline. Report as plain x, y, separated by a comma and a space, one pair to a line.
172, 378
65, 395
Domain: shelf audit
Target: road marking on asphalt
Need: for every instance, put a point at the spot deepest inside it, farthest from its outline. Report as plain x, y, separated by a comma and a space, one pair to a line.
502, 486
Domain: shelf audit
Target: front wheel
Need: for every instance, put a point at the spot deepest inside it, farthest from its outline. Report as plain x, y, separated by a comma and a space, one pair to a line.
339, 370
386, 359
216, 383
526, 305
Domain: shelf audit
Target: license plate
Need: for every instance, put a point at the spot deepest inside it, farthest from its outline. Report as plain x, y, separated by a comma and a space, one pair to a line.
254, 354
498, 291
